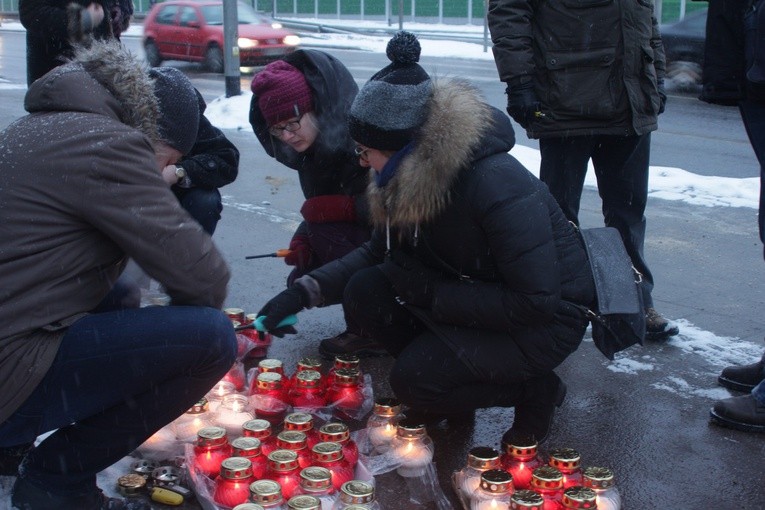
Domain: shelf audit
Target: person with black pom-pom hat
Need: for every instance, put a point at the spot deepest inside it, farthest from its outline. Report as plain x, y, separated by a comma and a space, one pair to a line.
472, 276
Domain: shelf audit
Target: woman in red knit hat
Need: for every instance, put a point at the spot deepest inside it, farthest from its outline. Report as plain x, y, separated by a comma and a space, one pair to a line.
299, 113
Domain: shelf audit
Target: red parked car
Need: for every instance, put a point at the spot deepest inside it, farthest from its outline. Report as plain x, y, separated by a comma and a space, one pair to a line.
193, 31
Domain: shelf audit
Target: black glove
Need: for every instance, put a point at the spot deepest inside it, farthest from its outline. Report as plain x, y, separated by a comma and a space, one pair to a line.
522, 102
287, 302
662, 94
413, 281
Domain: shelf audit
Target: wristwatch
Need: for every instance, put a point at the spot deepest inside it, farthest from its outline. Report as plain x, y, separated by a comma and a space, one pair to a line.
183, 179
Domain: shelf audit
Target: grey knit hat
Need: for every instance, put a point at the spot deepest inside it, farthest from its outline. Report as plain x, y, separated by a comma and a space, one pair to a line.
178, 121
392, 106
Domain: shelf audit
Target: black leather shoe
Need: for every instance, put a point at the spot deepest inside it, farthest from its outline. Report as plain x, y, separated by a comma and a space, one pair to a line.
740, 413
27, 496
11, 457
350, 343
742, 378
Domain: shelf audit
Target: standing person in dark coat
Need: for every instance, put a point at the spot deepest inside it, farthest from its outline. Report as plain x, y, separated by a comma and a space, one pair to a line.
734, 75
473, 272
587, 79
299, 113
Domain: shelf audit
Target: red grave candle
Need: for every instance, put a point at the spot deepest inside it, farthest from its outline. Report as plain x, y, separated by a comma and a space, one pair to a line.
283, 468
307, 390
232, 487
295, 441
567, 461
346, 394
260, 429
340, 433
302, 422
330, 456
547, 481
307, 364
269, 397
210, 449
343, 361
249, 448
520, 459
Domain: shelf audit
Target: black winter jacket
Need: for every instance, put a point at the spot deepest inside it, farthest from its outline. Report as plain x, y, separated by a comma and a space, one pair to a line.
330, 166
511, 264
595, 64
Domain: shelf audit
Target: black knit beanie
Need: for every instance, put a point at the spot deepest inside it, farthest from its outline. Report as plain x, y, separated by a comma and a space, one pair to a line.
178, 121
392, 106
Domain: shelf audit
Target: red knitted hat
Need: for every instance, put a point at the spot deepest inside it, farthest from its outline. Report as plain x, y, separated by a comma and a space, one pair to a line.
282, 92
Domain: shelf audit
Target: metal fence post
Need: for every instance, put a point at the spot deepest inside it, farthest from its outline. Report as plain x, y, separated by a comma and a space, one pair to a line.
338, 9
470, 12
441, 11
413, 10
316, 9
362, 10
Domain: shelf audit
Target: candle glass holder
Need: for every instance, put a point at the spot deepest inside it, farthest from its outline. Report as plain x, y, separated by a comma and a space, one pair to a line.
383, 423
317, 482
330, 456
260, 429
345, 394
601, 480
269, 397
307, 364
412, 449
271, 365
304, 502
547, 481
520, 459
337, 432
232, 487
526, 499
307, 391
479, 460
192, 421
343, 361
249, 448
284, 469
215, 395
356, 493
567, 461
295, 441
578, 497
232, 413
302, 422
210, 449
493, 491
268, 494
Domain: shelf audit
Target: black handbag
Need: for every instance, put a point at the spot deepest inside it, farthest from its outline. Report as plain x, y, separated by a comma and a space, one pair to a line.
618, 320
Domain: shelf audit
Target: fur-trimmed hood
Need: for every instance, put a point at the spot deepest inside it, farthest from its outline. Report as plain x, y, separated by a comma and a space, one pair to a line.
103, 78
460, 129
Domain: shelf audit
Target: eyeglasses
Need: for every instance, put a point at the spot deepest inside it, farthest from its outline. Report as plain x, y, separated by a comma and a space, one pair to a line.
291, 126
361, 152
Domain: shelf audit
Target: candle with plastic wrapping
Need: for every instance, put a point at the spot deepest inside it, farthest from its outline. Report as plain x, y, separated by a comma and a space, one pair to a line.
215, 395
520, 459
192, 421
249, 448
267, 493
601, 480
303, 422
260, 429
283, 468
269, 398
307, 390
383, 423
232, 413
547, 481
343, 361
346, 394
494, 490
232, 487
336, 432
210, 449
412, 449
295, 441
304, 502
479, 460
307, 364
330, 456
567, 461
317, 481
356, 492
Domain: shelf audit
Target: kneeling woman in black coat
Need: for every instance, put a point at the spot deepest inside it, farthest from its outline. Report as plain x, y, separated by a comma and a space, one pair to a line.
472, 272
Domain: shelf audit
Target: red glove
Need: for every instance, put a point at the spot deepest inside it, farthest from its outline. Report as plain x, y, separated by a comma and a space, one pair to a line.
301, 252
329, 209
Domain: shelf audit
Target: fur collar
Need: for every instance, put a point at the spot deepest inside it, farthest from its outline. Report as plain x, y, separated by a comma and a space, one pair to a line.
457, 119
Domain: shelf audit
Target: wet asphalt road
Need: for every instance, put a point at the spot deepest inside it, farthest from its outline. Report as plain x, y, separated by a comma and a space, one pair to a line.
646, 415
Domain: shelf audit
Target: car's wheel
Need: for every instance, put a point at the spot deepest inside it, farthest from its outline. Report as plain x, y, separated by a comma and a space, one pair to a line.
152, 53
214, 59
684, 74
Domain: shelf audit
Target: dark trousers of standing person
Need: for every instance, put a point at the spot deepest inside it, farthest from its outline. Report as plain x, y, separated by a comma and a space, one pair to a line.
621, 169
428, 375
118, 377
753, 115
204, 205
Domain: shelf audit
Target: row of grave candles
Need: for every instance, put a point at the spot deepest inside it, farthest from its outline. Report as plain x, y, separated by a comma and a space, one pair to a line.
519, 479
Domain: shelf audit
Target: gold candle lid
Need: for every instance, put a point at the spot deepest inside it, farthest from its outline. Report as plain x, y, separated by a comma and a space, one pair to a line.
257, 428
132, 484
546, 477
249, 506
211, 436
483, 458
526, 499
308, 379
598, 477
309, 364
327, 452
304, 502
269, 380
521, 446
410, 429
357, 492
496, 481
565, 459
265, 492
579, 497
291, 440
386, 407
298, 421
346, 361
334, 432
283, 460
236, 468
246, 447
315, 479
270, 365
347, 376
